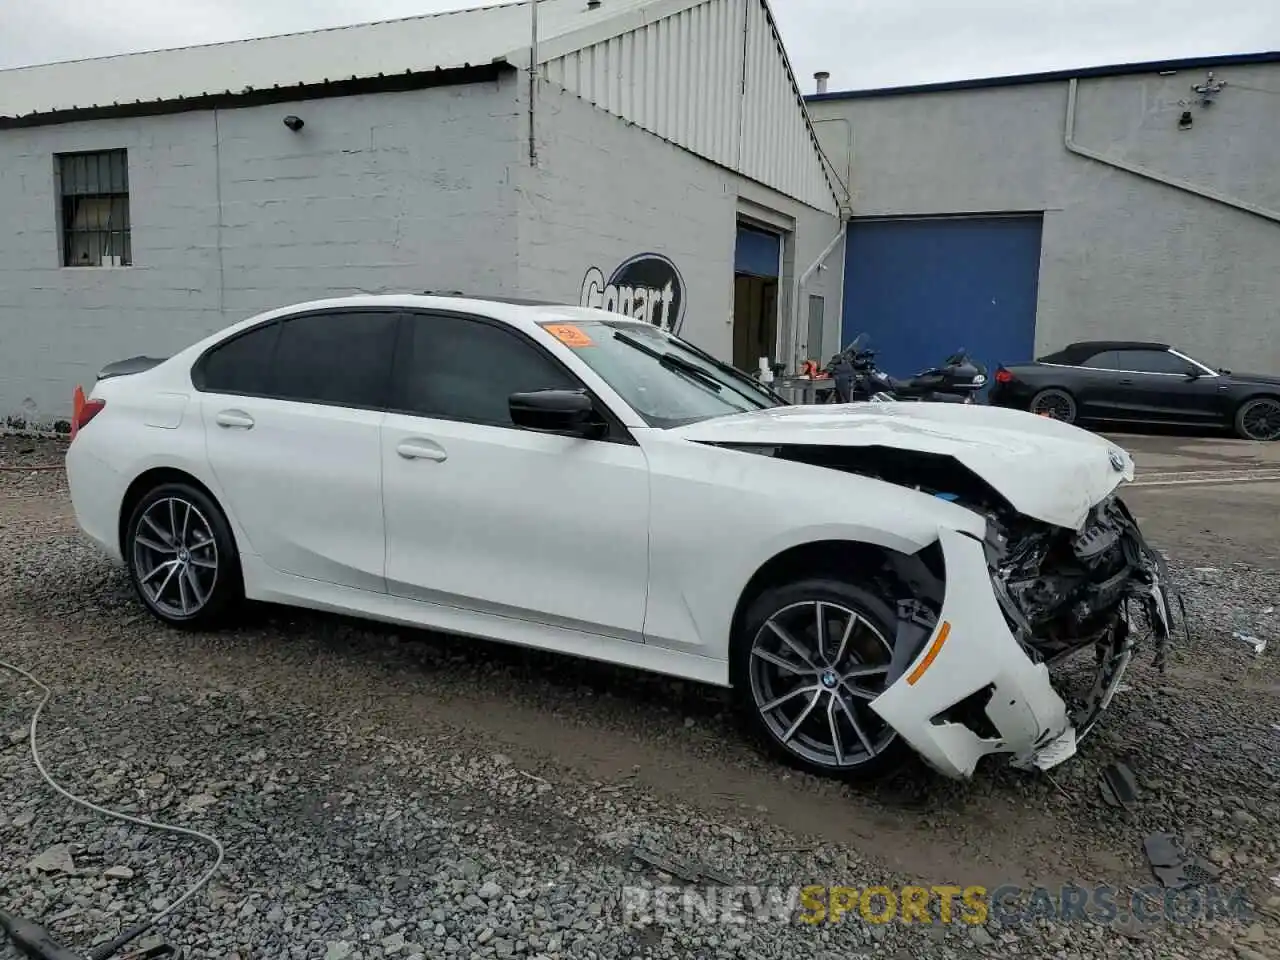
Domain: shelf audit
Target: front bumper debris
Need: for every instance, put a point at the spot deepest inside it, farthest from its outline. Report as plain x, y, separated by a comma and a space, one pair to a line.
979, 683
973, 690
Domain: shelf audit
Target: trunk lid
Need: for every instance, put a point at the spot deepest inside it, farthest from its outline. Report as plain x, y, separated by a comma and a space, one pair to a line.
123, 368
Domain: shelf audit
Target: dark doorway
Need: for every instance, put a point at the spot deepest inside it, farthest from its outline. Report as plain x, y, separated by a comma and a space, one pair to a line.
755, 297
755, 320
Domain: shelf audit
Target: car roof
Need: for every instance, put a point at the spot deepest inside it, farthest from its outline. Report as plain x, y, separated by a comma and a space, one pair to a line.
1082, 350
525, 314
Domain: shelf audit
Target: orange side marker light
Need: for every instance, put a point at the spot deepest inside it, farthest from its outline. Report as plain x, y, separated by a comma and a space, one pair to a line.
935, 648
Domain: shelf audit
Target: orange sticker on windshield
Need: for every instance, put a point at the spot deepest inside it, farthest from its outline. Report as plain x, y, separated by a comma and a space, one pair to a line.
569, 335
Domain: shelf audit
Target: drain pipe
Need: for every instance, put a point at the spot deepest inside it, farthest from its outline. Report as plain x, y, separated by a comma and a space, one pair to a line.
1069, 138
533, 83
803, 282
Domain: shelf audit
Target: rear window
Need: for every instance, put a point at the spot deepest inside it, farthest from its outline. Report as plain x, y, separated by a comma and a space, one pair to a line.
242, 364
338, 358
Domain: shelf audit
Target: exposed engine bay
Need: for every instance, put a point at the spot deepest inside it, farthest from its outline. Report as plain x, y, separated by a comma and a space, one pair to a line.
1061, 591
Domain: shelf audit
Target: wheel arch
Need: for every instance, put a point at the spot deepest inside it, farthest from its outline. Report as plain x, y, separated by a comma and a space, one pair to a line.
1260, 392
902, 574
1054, 387
149, 480
1037, 389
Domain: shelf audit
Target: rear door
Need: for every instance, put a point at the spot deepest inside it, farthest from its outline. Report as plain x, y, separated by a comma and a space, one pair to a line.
292, 415
1091, 383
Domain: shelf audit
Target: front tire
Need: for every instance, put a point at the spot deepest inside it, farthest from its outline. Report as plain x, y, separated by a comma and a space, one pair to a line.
810, 657
182, 557
1259, 419
1054, 403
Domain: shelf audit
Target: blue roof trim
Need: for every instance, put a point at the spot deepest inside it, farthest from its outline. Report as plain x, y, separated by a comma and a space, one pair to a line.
1114, 70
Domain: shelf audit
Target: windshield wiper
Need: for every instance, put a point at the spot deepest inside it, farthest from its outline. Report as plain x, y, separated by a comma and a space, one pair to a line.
736, 375
673, 362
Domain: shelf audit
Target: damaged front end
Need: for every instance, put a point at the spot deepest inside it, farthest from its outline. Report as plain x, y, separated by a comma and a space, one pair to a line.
979, 676
990, 666
1064, 592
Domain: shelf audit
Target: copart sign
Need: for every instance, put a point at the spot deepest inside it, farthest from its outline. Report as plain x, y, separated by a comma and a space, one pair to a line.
647, 287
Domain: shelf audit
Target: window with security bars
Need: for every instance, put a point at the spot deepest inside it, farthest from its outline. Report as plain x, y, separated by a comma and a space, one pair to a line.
93, 193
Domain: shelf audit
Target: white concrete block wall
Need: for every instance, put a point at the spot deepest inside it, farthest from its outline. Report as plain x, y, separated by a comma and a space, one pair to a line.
234, 213
1122, 257
59, 325
605, 191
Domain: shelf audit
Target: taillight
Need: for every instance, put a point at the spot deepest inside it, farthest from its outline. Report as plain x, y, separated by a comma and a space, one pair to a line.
83, 411
1003, 376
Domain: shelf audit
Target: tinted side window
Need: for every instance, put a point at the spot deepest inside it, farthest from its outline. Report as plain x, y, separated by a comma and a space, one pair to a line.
1152, 361
241, 365
461, 369
337, 358
1110, 360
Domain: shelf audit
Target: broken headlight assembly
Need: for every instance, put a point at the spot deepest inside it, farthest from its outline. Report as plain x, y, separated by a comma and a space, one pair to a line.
1063, 592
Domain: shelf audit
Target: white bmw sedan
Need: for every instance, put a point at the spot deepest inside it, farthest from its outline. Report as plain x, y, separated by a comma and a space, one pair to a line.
867, 578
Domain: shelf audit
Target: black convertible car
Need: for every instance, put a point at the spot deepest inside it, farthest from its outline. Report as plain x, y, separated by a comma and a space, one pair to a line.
1148, 383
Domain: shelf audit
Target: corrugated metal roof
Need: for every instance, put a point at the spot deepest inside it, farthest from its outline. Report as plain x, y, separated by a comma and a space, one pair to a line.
709, 75
475, 36
713, 77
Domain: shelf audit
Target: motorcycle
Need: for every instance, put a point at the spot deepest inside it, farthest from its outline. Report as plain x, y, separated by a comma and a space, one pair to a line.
856, 378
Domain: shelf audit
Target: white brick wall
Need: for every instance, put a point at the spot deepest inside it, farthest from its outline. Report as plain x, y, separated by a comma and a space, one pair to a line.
234, 213
605, 191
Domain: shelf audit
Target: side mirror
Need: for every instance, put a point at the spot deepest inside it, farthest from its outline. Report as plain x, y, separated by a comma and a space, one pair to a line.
1194, 375
567, 412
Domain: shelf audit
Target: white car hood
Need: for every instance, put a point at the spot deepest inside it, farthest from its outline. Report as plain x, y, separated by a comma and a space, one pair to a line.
1048, 470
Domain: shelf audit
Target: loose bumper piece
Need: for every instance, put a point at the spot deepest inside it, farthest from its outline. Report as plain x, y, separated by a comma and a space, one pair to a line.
972, 653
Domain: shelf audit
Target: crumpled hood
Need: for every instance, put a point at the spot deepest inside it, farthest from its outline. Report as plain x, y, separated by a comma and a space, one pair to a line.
1048, 470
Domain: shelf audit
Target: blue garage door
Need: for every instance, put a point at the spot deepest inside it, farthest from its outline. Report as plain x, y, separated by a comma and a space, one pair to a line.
923, 288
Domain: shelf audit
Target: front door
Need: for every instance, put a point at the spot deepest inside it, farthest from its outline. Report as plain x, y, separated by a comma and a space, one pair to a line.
1158, 386
487, 516
293, 416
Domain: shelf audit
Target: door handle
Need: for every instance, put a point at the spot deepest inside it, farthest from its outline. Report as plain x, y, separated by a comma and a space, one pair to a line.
419, 448
1126, 382
234, 418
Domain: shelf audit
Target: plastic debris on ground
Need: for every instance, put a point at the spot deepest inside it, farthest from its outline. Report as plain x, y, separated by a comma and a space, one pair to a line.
1173, 866
1257, 644
1118, 785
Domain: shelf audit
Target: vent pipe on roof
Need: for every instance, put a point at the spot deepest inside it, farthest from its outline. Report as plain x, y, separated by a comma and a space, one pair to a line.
822, 77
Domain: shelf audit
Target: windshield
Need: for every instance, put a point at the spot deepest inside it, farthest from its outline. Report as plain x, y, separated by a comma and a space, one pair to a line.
666, 381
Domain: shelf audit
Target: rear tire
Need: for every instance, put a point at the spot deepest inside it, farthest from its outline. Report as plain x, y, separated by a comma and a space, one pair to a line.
1054, 403
806, 696
1258, 419
182, 557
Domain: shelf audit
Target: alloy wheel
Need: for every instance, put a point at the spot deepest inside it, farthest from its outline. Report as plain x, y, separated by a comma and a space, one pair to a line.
1054, 404
1260, 419
815, 668
175, 557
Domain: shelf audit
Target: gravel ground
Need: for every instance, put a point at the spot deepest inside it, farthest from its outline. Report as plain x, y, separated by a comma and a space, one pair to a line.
386, 793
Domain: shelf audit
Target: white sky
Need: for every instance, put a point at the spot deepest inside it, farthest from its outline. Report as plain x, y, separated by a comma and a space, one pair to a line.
863, 43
